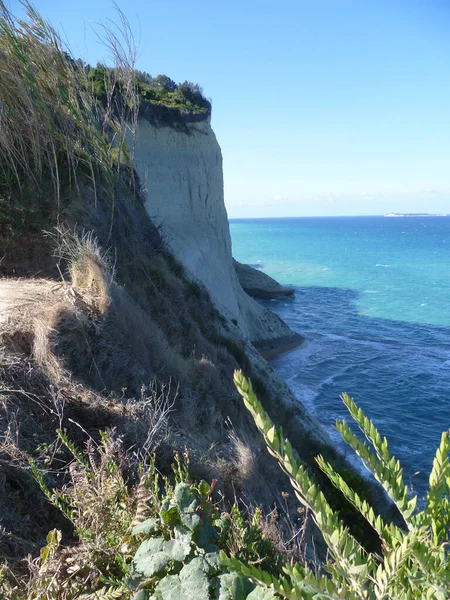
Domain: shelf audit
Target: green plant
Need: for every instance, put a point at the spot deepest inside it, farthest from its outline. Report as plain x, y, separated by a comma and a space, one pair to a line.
245, 540
179, 557
160, 91
414, 559
100, 506
156, 540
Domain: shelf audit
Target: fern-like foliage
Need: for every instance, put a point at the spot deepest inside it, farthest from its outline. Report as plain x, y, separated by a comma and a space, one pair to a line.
437, 516
385, 468
414, 562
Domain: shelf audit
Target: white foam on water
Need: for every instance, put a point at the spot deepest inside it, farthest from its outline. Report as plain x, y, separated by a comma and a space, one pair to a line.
410, 450
305, 394
356, 341
303, 352
382, 265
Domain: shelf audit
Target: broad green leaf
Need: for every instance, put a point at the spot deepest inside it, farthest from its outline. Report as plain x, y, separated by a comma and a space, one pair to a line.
146, 527
184, 498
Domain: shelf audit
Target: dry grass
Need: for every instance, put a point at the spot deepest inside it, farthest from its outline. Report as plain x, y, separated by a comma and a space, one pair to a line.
98, 351
155, 404
32, 407
245, 459
99, 503
49, 111
94, 341
91, 270
52, 127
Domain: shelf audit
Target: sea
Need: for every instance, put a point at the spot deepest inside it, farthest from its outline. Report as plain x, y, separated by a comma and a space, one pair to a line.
372, 299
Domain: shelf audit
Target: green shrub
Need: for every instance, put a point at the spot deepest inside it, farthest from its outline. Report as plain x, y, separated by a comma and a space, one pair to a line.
414, 559
156, 540
179, 554
101, 507
186, 97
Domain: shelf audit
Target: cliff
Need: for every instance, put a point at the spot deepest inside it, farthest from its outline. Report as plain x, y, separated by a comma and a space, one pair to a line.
180, 170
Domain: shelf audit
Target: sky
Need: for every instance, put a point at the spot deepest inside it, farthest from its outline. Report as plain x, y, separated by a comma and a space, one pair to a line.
321, 107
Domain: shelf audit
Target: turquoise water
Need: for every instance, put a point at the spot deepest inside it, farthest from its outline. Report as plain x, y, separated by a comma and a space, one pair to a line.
373, 301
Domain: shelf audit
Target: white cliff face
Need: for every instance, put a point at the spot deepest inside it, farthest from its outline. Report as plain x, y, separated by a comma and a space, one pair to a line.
180, 169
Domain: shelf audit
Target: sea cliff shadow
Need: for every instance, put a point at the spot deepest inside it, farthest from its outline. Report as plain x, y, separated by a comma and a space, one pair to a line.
397, 371
339, 305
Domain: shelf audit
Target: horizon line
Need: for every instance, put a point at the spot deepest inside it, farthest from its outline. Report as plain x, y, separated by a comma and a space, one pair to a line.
342, 216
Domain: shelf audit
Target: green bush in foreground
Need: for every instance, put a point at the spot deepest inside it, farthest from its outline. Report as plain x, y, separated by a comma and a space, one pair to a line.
179, 557
414, 562
156, 539
166, 538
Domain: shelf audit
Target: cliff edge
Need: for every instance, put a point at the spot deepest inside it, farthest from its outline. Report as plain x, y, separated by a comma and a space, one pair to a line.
180, 169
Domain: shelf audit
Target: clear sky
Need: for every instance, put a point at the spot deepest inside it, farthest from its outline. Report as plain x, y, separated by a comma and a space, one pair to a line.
321, 107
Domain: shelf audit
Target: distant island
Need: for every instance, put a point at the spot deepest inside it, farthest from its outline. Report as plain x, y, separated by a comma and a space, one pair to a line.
414, 215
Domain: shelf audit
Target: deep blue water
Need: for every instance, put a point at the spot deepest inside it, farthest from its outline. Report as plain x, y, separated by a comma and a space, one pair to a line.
373, 301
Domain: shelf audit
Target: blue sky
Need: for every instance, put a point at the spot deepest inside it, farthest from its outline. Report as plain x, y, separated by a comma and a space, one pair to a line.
324, 107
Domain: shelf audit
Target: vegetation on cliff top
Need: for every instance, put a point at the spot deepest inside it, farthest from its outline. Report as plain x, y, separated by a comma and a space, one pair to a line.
161, 91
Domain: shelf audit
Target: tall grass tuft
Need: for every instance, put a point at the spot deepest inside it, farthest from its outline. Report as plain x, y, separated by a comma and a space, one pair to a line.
54, 132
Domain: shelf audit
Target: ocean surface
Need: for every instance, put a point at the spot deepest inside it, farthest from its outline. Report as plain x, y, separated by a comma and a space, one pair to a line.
373, 302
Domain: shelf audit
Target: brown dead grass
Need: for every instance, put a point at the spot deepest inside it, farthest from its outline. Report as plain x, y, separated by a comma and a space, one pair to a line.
17, 295
90, 269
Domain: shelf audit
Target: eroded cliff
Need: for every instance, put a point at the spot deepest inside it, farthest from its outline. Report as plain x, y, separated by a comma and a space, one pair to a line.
111, 356
180, 169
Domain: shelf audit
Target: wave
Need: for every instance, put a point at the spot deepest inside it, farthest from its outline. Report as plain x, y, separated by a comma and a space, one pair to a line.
431, 350
382, 265
305, 394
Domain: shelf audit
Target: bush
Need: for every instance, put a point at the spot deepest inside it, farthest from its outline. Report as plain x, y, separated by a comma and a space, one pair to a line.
164, 82
414, 559
154, 539
185, 97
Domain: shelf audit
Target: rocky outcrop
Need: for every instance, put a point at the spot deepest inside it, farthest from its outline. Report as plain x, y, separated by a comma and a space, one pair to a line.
259, 285
180, 169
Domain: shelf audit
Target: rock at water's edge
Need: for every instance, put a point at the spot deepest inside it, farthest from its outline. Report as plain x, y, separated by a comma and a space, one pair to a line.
259, 285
